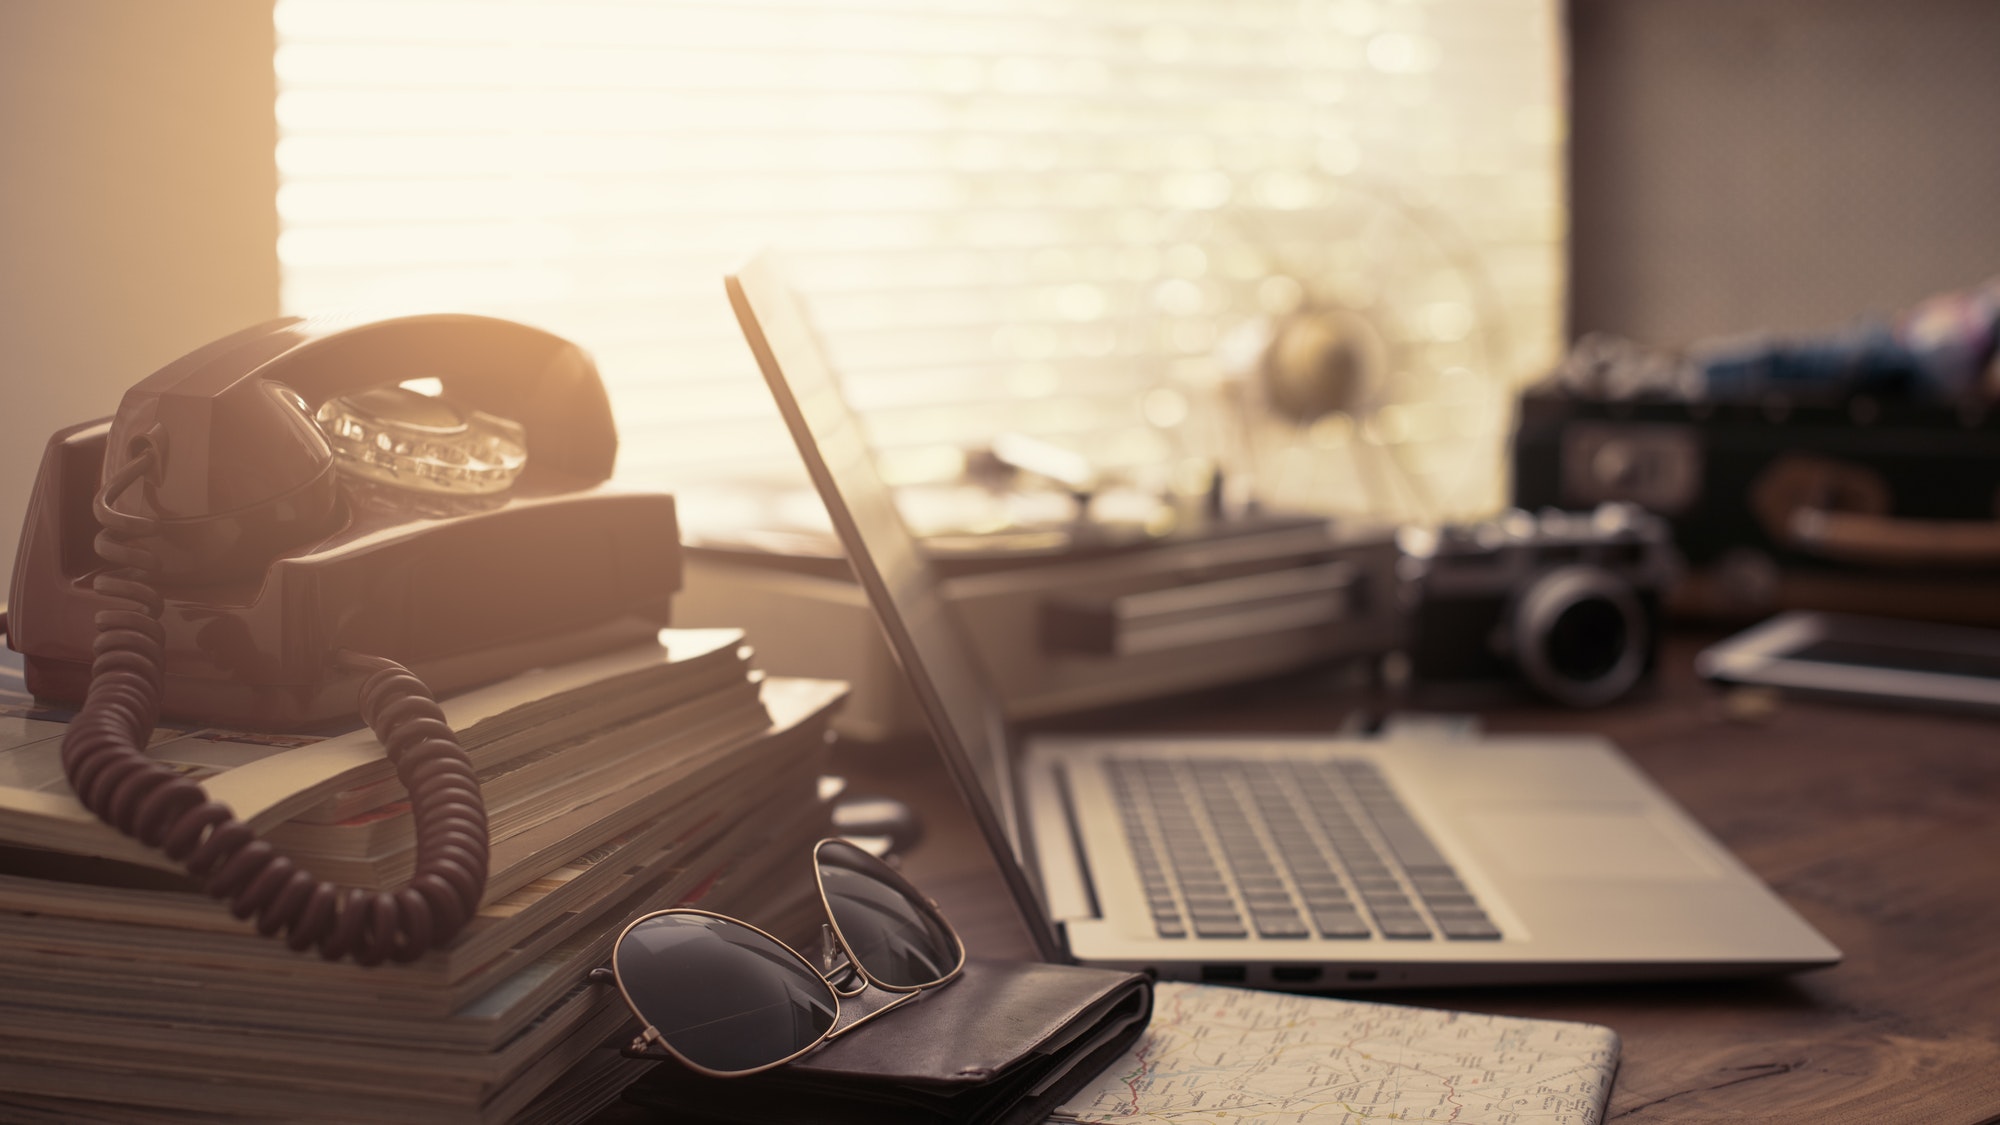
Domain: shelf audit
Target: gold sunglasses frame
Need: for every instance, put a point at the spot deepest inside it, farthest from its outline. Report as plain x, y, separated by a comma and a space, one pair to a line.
650, 1044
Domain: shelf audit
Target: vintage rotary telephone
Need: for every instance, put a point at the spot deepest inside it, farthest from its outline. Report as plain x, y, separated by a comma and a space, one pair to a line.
274, 526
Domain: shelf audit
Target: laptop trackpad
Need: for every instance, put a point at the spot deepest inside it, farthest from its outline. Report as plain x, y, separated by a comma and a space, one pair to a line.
1581, 840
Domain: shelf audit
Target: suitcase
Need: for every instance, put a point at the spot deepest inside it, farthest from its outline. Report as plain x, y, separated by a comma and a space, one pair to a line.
1862, 505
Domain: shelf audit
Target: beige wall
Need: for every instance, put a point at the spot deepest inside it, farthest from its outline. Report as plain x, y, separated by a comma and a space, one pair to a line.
1740, 165
138, 214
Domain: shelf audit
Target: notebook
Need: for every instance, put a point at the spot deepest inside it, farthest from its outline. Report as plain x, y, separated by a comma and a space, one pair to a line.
1232, 1054
1301, 862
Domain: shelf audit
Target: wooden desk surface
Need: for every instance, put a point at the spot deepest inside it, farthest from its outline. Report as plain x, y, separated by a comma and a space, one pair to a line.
1881, 827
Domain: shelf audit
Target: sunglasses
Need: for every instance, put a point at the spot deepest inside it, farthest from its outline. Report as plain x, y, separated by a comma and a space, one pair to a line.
727, 999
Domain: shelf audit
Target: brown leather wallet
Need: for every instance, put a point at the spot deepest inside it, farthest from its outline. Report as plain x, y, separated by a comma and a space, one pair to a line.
1005, 1043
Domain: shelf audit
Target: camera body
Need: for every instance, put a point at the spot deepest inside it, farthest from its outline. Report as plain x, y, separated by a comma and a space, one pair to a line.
1567, 603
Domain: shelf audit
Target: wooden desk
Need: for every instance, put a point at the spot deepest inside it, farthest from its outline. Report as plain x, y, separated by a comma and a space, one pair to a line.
1881, 827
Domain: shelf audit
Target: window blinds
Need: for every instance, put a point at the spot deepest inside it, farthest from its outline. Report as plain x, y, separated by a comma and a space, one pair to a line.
1003, 214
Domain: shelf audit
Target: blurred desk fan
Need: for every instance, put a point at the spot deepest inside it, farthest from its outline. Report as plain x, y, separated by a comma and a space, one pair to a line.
1362, 353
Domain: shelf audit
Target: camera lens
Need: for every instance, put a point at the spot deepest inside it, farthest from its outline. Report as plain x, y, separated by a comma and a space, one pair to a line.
1586, 639
1580, 636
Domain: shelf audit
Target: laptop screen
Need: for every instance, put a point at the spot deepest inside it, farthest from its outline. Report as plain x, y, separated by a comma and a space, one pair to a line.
924, 635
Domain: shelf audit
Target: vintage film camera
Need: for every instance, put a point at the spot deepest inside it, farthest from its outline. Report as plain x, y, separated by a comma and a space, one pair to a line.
1566, 602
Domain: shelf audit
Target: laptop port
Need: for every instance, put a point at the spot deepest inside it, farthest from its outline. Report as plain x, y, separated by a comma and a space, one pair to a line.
1224, 974
1294, 974
1361, 974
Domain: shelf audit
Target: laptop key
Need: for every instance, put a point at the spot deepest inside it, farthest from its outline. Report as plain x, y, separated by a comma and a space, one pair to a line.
1288, 925
1329, 902
1469, 929
1340, 924
1401, 925
1398, 907
1460, 914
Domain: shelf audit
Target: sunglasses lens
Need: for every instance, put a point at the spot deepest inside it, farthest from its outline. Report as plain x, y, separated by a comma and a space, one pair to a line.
725, 996
893, 934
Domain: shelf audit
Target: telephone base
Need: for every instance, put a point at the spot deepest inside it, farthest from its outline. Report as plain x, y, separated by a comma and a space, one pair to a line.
554, 572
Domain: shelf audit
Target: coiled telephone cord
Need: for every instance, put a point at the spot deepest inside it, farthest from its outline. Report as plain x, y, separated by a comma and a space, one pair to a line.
103, 757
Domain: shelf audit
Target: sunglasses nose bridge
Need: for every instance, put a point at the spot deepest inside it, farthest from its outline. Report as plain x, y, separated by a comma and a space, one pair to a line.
841, 974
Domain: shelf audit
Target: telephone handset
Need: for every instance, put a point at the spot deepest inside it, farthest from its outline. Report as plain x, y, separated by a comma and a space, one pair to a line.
281, 523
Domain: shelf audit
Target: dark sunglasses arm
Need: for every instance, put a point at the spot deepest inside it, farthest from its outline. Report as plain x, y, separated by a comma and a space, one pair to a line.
644, 1045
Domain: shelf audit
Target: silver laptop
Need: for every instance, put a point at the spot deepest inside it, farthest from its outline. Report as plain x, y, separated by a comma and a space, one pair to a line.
1285, 862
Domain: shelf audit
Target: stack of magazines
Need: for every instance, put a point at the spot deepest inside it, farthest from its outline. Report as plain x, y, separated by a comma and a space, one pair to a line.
660, 775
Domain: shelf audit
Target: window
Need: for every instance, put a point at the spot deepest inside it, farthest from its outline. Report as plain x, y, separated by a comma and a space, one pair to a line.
1033, 215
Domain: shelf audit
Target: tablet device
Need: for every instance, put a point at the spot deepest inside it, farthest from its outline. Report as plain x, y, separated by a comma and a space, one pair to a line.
1867, 659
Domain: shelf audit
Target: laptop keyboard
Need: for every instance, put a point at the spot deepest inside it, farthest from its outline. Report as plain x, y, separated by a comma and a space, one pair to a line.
1228, 848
